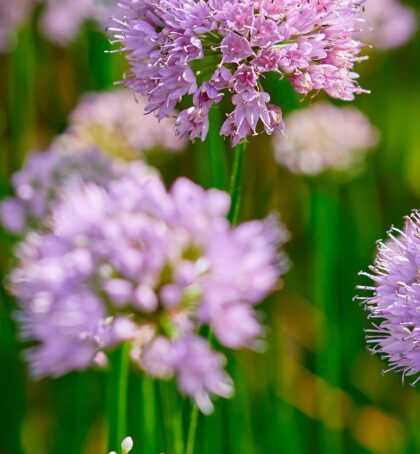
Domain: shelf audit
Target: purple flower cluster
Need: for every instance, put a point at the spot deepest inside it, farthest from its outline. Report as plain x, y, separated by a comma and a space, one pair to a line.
312, 146
37, 186
207, 49
12, 15
387, 24
395, 299
114, 122
62, 19
134, 262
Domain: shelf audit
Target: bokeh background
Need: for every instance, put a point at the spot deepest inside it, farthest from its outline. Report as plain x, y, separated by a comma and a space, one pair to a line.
315, 389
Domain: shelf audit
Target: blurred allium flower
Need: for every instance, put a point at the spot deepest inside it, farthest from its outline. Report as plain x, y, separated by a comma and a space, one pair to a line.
387, 24
207, 49
134, 262
60, 20
38, 184
395, 299
12, 14
115, 122
322, 137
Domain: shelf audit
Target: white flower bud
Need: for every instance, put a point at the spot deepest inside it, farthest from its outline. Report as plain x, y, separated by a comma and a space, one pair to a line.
127, 445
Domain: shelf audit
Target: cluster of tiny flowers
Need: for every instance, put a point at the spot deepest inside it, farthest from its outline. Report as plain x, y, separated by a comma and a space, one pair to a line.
387, 24
37, 185
134, 262
395, 299
60, 20
323, 137
207, 49
12, 15
114, 121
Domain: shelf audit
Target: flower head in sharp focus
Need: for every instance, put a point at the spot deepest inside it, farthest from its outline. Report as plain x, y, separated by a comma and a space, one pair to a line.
135, 262
37, 185
114, 121
394, 299
208, 50
387, 24
324, 137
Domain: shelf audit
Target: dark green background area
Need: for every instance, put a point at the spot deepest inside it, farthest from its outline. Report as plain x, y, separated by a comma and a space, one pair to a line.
315, 389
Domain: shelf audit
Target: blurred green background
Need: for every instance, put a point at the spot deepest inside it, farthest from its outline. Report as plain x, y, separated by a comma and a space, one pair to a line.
315, 389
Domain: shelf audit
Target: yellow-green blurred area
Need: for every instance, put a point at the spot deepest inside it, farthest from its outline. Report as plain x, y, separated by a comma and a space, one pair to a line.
315, 389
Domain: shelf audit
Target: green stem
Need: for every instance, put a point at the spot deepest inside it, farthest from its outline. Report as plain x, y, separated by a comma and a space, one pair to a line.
149, 415
236, 182
172, 413
117, 397
192, 430
217, 152
326, 211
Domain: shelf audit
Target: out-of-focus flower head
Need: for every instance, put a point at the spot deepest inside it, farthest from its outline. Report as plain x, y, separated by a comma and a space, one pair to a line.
134, 262
387, 24
38, 184
324, 137
12, 15
210, 49
62, 19
394, 299
114, 121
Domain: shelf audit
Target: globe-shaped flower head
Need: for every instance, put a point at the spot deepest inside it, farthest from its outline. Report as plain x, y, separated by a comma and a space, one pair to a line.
216, 48
395, 302
133, 262
313, 146
387, 24
114, 121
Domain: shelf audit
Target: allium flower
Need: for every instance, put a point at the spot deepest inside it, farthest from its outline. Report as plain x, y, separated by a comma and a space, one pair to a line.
62, 19
135, 262
38, 184
395, 299
207, 49
387, 24
12, 14
114, 122
323, 137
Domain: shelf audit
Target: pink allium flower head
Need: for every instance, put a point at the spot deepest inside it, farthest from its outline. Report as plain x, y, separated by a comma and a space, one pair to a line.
387, 24
135, 262
324, 137
12, 15
114, 121
395, 299
37, 185
62, 19
208, 49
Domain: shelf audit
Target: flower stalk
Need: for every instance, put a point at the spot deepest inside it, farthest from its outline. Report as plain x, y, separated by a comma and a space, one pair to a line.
236, 182
117, 396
